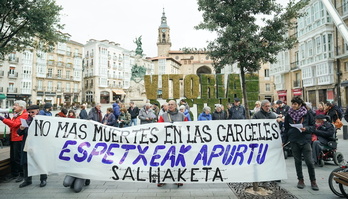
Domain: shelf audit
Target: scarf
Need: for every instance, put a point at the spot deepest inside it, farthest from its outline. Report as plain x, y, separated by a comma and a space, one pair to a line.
100, 117
296, 115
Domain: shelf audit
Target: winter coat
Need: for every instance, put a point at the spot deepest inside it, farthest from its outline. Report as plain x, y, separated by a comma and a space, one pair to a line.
44, 112
116, 109
110, 119
237, 112
172, 116
126, 117
283, 110
133, 112
187, 115
83, 114
94, 115
334, 113
325, 132
293, 134
219, 115
14, 123
143, 114
203, 116
24, 133
264, 115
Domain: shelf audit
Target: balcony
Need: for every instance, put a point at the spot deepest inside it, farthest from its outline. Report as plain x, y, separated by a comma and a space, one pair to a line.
309, 82
91, 55
68, 65
2, 73
60, 64
294, 66
297, 84
78, 55
13, 60
11, 90
50, 62
13, 75
49, 75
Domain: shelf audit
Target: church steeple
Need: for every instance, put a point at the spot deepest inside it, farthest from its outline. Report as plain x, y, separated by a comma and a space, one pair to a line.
164, 20
163, 42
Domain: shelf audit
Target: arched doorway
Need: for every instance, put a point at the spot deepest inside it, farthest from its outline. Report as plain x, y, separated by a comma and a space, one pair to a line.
203, 70
104, 97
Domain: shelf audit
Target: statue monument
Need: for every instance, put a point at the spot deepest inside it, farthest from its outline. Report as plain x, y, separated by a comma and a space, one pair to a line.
139, 50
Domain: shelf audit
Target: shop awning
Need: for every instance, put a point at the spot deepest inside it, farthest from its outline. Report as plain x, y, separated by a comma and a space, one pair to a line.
2, 96
119, 92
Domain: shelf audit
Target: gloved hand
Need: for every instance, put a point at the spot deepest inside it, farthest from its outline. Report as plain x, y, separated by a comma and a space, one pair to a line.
7, 116
1, 118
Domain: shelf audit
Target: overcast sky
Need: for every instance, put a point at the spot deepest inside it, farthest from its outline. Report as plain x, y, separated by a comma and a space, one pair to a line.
122, 21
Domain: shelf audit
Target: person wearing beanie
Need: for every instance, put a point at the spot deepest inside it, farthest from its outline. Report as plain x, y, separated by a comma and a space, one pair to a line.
46, 110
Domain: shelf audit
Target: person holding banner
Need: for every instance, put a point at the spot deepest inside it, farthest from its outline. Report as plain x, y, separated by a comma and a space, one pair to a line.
19, 109
23, 130
299, 125
172, 115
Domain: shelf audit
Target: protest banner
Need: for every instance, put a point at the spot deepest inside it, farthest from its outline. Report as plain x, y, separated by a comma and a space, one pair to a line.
219, 151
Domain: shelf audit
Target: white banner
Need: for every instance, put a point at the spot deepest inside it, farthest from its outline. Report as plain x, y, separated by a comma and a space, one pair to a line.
217, 151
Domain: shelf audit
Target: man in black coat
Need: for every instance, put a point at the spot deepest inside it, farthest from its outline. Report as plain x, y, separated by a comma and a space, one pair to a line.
134, 112
32, 110
323, 132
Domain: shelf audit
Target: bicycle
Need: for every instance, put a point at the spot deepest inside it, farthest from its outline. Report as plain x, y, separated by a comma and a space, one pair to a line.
337, 188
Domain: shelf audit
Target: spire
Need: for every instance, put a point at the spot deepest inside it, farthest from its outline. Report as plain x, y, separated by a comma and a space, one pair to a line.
164, 20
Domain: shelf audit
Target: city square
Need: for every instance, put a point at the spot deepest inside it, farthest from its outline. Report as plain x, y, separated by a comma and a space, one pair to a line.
147, 97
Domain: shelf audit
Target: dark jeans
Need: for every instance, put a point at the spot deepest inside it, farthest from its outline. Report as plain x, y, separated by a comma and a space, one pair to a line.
15, 157
317, 147
28, 178
306, 150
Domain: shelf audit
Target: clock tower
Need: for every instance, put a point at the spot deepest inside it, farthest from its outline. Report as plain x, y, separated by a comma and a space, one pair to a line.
163, 42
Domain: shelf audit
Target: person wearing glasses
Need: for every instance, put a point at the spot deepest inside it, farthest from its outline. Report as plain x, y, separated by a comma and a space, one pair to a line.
20, 112
172, 115
265, 111
33, 110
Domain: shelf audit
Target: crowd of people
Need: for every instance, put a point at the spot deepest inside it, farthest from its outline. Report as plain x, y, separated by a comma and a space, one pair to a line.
306, 142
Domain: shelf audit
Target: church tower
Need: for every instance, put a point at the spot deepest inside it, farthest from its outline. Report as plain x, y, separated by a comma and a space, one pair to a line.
163, 42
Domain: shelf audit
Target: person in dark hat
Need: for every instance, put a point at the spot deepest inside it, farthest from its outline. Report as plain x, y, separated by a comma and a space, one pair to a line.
46, 110
33, 110
324, 130
282, 109
237, 111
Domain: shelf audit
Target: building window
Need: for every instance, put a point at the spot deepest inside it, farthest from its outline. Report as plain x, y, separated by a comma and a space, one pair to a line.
268, 87
49, 72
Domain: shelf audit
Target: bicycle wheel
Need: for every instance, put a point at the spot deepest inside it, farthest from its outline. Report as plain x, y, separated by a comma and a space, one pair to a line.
343, 189
334, 186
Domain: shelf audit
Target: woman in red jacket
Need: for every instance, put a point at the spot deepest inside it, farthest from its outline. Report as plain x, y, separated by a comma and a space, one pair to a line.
14, 123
